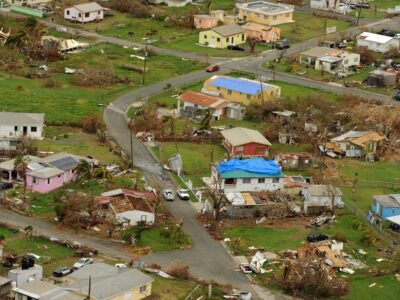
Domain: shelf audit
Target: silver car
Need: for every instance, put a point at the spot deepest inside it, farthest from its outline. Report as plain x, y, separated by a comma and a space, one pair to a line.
168, 195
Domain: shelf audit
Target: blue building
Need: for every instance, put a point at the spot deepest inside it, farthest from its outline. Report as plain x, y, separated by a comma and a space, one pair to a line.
386, 205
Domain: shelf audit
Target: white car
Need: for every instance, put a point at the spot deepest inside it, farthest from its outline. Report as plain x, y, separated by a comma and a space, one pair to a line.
168, 195
83, 262
183, 194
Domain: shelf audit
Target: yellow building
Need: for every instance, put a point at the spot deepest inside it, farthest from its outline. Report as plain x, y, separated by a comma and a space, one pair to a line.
241, 90
265, 13
223, 36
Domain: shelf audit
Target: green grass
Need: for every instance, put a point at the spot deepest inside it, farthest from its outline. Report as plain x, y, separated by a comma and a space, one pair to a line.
76, 142
376, 13
377, 178
307, 26
153, 239
171, 289
195, 158
70, 103
272, 239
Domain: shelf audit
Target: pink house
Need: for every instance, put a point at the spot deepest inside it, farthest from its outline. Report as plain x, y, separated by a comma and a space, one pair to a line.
45, 174
205, 21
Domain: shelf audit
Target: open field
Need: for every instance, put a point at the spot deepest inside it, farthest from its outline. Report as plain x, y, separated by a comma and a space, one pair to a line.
63, 101
195, 157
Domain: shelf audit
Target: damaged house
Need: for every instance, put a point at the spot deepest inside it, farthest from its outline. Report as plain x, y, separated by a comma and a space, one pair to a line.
354, 144
247, 175
128, 205
318, 197
295, 161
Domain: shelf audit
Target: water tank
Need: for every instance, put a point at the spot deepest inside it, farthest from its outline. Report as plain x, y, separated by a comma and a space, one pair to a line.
27, 262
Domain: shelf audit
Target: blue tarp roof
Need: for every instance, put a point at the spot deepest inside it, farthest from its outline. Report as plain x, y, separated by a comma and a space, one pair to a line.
240, 85
254, 165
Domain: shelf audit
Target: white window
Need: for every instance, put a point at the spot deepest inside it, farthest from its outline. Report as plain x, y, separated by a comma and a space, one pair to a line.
287, 15
346, 61
239, 148
87, 15
261, 180
246, 180
143, 288
355, 59
275, 180
265, 17
274, 17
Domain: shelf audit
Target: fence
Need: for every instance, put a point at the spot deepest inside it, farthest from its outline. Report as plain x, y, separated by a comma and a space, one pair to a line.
377, 230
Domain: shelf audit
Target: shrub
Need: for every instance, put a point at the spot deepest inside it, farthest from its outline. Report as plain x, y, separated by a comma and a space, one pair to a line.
340, 236
179, 270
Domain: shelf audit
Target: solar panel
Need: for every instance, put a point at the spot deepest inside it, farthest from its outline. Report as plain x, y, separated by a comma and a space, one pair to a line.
65, 163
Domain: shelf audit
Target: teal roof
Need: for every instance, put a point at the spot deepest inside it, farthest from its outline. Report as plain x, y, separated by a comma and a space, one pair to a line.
245, 174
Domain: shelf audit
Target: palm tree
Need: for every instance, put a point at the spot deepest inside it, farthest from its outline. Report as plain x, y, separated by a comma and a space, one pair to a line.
83, 170
102, 173
21, 167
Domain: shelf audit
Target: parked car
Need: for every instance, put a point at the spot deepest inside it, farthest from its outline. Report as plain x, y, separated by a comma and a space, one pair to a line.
83, 262
213, 68
236, 48
283, 44
168, 195
245, 268
396, 97
316, 237
120, 266
387, 32
183, 194
5, 185
62, 271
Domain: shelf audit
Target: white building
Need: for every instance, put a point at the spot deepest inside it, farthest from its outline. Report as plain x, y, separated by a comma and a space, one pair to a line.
378, 43
84, 13
14, 126
20, 276
247, 175
318, 197
331, 5
337, 61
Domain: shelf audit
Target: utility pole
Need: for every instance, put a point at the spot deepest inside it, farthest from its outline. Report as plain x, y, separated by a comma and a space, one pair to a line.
145, 61
359, 15
206, 44
90, 288
131, 133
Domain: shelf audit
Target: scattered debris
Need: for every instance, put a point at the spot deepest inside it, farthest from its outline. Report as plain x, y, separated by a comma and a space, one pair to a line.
362, 252
371, 285
69, 71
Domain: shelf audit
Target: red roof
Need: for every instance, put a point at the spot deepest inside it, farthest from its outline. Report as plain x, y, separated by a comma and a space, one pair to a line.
203, 99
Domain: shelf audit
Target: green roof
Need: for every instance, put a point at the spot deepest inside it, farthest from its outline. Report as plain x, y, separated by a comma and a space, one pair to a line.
245, 174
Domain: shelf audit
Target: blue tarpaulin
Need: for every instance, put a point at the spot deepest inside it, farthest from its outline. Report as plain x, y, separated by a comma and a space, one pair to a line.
254, 165
241, 85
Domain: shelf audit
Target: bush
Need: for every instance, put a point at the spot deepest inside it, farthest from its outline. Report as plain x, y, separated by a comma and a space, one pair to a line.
133, 7
179, 270
340, 236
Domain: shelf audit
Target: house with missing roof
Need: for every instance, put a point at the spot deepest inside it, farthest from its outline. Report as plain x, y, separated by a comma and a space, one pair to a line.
295, 161
14, 126
386, 206
107, 282
262, 33
221, 109
223, 36
205, 21
84, 13
330, 60
240, 90
247, 175
354, 144
266, 13
44, 174
377, 42
244, 142
318, 197
128, 206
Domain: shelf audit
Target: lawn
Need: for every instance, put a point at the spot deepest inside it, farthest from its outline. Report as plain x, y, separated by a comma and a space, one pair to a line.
66, 102
19, 244
196, 158
171, 289
377, 10
307, 26
74, 141
381, 177
269, 238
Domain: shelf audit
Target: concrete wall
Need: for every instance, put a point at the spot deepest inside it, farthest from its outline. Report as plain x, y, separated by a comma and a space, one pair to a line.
265, 18
71, 13
9, 131
254, 185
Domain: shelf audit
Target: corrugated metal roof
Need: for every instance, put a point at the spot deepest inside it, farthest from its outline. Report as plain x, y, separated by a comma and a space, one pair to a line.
373, 37
240, 136
16, 119
89, 7
228, 30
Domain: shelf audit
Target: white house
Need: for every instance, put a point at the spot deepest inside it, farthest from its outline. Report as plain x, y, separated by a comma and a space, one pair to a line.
337, 61
247, 175
83, 13
331, 5
377, 42
317, 197
14, 126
